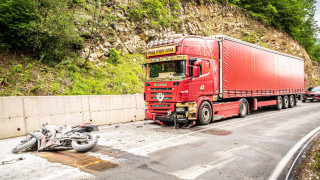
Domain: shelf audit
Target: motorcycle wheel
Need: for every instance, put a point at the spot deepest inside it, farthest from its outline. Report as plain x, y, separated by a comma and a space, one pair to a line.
24, 145
84, 146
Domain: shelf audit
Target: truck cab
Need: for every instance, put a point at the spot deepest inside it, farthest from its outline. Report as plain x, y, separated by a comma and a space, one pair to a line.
181, 72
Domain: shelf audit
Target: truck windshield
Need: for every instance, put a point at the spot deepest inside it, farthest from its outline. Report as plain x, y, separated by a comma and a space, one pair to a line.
174, 70
314, 89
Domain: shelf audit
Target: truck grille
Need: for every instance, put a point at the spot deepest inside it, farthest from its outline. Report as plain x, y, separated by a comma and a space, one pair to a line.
161, 108
167, 92
159, 89
166, 98
163, 93
166, 105
310, 95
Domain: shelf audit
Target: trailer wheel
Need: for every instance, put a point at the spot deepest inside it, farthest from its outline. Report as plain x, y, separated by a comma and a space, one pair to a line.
279, 103
291, 101
285, 102
243, 108
205, 113
295, 100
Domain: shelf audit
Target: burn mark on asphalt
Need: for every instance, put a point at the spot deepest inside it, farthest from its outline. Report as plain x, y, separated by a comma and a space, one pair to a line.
82, 161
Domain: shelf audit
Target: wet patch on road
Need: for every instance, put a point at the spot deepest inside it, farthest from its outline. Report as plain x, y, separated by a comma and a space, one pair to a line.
129, 158
105, 150
214, 131
82, 161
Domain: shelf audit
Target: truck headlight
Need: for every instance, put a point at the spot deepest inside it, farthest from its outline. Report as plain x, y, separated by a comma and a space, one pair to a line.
180, 109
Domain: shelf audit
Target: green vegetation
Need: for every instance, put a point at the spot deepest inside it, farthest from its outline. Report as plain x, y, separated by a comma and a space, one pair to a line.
295, 17
155, 10
48, 35
44, 28
316, 164
26, 77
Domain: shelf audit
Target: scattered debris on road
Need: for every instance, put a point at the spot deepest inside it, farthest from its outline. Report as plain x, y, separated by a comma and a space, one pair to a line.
12, 161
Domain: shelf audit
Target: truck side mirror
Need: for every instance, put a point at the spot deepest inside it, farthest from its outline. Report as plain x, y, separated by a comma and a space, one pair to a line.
196, 71
197, 63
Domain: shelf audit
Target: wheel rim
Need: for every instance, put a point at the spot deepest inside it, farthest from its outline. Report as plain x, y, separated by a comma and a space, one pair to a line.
286, 101
291, 101
205, 114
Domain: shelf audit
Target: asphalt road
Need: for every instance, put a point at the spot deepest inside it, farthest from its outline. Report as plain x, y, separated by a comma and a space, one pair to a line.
254, 147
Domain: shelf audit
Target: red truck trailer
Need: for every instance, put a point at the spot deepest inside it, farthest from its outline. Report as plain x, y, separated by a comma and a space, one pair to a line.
194, 78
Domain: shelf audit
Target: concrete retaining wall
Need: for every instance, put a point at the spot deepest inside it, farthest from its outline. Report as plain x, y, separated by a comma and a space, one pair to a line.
19, 115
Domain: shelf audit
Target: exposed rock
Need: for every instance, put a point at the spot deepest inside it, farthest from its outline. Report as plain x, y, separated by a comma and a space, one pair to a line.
115, 26
106, 44
93, 57
208, 19
190, 28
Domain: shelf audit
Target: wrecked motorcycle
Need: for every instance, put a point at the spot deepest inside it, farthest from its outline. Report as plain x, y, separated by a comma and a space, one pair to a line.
51, 137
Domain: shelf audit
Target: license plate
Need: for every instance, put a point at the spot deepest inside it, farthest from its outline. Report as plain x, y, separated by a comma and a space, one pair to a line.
309, 98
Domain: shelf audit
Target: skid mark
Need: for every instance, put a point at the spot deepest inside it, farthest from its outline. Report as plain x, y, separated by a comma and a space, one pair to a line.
82, 161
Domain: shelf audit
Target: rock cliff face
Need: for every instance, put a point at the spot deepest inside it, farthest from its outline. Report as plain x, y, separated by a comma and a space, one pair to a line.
199, 19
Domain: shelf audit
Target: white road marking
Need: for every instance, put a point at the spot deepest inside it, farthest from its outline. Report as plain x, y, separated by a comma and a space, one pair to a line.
284, 161
204, 129
297, 157
195, 171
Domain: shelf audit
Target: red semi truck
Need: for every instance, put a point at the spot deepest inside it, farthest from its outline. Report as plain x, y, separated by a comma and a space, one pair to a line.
194, 78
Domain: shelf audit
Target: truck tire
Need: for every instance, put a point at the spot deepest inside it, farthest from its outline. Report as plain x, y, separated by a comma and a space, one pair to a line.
279, 103
295, 100
205, 113
81, 146
25, 145
291, 101
285, 102
243, 108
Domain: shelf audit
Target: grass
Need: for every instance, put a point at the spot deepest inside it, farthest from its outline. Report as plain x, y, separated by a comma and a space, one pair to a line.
23, 77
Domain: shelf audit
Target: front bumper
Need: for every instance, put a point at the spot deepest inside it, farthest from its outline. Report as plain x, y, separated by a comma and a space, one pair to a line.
180, 117
312, 98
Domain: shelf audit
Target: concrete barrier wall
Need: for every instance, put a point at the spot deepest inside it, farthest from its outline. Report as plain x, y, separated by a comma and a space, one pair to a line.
19, 115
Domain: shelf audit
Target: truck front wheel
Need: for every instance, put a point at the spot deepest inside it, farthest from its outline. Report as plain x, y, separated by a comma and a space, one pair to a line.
205, 113
279, 103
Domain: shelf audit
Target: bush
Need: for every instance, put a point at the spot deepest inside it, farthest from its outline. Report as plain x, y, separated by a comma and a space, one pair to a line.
115, 57
156, 11
44, 28
15, 16
295, 17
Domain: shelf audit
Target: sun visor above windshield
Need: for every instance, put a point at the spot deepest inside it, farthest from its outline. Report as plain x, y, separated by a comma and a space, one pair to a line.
167, 58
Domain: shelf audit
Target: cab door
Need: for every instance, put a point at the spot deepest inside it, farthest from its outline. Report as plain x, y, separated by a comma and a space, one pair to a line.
196, 85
